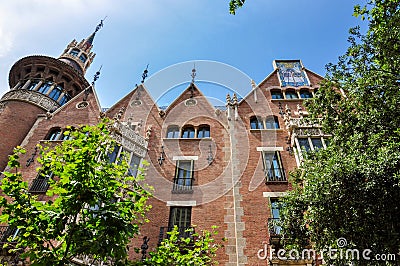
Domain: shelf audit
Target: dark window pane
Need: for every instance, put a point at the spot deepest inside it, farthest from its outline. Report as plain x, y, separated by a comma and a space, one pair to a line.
113, 154
188, 132
305, 94
55, 93
45, 87
173, 132
276, 94
304, 144
317, 143
54, 134
291, 95
204, 132
256, 123
74, 52
180, 216
272, 123
134, 165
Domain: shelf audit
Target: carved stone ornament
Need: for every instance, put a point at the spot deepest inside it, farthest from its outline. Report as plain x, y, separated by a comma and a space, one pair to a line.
136, 103
82, 105
33, 97
190, 102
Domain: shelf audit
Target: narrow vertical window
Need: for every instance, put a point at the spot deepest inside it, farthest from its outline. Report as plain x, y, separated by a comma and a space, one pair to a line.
134, 165
276, 94
204, 131
291, 94
305, 94
183, 177
272, 122
273, 167
55, 93
180, 217
256, 123
173, 132
188, 132
45, 87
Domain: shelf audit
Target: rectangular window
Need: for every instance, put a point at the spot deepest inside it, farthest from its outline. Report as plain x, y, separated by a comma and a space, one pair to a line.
317, 143
181, 217
134, 165
273, 166
112, 156
304, 144
183, 177
273, 222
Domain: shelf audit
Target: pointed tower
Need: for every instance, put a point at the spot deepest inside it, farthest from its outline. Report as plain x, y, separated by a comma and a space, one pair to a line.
38, 85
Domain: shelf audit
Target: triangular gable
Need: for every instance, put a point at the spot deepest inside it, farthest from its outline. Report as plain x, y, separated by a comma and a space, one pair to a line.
186, 95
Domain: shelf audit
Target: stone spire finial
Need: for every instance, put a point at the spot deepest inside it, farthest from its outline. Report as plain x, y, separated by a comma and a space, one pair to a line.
234, 99
79, 55
228, 99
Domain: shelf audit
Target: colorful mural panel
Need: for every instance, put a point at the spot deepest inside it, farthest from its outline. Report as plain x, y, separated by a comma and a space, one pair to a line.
291, 73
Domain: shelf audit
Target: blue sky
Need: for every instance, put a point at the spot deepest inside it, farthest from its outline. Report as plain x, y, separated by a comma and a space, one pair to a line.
165, 33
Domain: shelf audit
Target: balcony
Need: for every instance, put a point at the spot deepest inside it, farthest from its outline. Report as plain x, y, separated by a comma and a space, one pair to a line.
183, 232
39, 185
182, 186
5, 233
274, 230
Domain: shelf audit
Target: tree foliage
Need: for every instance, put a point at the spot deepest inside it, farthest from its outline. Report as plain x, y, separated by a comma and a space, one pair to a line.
234, 5
351, 189
94, 206
196, 249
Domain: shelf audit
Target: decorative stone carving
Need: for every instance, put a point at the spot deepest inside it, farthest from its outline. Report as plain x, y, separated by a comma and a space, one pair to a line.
130, 139
2, 106
33, 97
190, 102
82, 105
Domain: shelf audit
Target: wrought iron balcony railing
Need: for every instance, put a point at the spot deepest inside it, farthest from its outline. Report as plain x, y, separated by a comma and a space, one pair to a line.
274, 230
39, 185
275, 175
182, 185
5, 233
183, 232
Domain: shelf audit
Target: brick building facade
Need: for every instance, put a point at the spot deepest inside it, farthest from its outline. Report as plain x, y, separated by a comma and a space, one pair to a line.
224, 166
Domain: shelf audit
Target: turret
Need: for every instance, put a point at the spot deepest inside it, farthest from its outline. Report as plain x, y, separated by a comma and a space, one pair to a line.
41, 84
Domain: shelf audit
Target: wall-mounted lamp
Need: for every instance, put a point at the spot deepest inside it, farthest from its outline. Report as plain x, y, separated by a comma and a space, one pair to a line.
162, 156
290, 150
210, 157
32, 158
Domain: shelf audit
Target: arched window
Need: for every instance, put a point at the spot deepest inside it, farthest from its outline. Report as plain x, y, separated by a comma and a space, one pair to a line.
188, 132
272, 122
276, 94
256, 123
204, 131
54, 134
291, 94
56, 92
74, 52
173, 132
83, 58
305, 94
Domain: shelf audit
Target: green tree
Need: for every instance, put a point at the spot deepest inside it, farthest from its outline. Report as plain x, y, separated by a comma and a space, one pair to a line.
234, 5
193, 250
95, 207
351, 189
